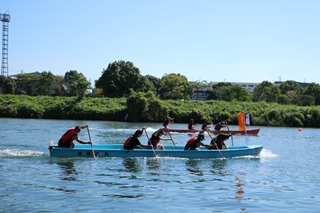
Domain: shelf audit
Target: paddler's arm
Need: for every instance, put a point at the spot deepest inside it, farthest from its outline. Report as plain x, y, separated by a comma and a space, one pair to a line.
143, 145
165, 139
81, 141
205, 145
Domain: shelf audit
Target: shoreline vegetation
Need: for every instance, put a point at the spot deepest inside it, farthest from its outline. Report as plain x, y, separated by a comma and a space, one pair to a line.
145, 107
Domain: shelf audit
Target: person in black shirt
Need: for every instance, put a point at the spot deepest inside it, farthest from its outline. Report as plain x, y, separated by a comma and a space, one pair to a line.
219, 140
168, 121
133, 141
206, 125
220, 125
192, 125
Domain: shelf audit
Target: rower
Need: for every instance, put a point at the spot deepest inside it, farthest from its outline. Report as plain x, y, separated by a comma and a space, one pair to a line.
155, 139
218, 141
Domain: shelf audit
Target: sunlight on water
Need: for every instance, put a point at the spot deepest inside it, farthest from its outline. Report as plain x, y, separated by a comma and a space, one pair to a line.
19, 153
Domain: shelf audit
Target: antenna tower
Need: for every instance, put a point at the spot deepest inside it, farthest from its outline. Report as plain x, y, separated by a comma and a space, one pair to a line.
5, 18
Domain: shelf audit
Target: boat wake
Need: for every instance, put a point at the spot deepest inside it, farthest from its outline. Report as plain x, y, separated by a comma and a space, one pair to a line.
265, 153
149, 129
19, 153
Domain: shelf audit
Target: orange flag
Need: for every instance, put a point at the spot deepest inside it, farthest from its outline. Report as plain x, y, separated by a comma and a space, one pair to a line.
241, 124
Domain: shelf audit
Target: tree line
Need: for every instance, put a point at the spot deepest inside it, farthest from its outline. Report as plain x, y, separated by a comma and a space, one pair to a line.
146, 107
72, 84
120, 78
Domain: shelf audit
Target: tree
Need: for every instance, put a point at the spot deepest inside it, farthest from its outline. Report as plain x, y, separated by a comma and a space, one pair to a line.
146, 85
58, 85
290, 86
306, 100
226, 91
266, 91
293, 96
238, 93
119, 78
292, 90
45, 83
175, 86
7, 85
156, 82
27, 83
270, 94
231, 93
282, 99
145, 107
218, 91
313, 89
76, 83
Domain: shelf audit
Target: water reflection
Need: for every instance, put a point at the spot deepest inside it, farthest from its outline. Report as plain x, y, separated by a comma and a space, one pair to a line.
218, 167
131, 165
68, 170
240, 191
193, 167
153, 163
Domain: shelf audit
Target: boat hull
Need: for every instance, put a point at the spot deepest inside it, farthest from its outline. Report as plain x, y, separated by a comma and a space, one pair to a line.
117, 150
233, 132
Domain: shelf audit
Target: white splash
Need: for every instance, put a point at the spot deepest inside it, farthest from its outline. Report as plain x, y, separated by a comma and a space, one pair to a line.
149, 129
19, 153
265, 153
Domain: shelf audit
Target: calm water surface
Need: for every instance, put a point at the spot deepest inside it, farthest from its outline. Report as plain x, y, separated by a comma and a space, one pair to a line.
284, 178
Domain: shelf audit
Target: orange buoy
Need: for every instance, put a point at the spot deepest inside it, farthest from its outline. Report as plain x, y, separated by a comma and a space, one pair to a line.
299, 129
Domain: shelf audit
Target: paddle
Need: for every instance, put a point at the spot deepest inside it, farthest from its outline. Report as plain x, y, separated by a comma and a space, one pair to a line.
91, 143
214, 143
171, 138
229, 132
154, 152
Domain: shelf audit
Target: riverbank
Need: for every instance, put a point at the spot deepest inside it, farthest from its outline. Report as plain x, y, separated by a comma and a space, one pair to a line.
115, 109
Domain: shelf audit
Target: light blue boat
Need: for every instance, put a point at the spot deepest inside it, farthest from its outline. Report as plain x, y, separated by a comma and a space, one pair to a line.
117, 150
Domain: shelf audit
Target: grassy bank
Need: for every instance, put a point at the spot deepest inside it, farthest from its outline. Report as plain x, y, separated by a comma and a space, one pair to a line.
115, 109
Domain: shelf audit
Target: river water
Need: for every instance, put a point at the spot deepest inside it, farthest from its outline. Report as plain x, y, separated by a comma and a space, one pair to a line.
284, 178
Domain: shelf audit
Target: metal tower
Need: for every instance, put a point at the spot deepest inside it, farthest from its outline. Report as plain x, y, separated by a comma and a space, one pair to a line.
5, 18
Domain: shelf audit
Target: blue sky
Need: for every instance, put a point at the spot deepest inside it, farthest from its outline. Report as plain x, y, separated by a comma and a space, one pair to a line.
225, 40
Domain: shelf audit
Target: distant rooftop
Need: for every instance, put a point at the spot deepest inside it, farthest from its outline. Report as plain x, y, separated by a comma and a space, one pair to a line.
30, 73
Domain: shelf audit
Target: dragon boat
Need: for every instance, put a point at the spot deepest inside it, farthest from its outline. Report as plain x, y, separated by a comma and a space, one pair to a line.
117, 150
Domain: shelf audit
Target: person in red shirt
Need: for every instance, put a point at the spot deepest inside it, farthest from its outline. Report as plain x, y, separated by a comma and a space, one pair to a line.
194, 143
155, 139
66, 140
